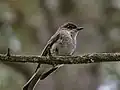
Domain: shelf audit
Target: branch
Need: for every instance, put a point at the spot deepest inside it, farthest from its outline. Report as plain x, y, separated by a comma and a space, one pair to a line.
82, 59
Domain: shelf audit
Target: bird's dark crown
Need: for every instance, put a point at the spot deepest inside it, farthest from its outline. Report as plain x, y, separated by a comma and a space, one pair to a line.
69, 25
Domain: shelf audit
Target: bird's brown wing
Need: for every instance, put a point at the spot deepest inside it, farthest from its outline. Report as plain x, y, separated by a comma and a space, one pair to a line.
46, 50
52, 40
31, 83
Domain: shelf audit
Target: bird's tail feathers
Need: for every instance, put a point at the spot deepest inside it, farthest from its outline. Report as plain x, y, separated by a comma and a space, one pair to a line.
44, 75
30, 84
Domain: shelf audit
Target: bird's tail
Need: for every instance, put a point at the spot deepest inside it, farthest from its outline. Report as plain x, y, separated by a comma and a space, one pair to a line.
44, 75
38, 76
37, 67
32, 81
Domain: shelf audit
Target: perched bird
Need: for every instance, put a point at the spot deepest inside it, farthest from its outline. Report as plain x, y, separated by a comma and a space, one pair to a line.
62, 43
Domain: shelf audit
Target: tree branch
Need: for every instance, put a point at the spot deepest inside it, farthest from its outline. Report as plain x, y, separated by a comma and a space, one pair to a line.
82, 59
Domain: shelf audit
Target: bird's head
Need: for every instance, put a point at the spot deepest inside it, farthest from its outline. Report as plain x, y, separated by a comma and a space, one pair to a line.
71, 28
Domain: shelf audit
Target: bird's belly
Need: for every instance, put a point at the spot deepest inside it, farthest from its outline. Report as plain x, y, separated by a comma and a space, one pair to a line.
63, 49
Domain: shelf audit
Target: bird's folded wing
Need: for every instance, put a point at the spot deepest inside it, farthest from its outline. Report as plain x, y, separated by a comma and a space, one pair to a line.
46, 50
52, 40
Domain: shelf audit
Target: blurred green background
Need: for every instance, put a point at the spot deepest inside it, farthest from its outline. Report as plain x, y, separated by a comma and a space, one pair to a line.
26, 26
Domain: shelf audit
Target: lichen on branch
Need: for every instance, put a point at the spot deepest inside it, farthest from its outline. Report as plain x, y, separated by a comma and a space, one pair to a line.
81, 59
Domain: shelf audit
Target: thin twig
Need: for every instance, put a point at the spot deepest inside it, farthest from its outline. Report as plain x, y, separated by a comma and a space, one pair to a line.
8, 52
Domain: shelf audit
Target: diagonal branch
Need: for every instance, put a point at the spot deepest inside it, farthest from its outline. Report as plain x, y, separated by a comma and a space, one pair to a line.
82, 59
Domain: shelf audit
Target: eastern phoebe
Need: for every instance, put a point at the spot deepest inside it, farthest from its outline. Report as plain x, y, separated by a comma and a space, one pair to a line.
62, 43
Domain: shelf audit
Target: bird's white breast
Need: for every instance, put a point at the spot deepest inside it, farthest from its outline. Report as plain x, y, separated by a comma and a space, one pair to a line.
65, 45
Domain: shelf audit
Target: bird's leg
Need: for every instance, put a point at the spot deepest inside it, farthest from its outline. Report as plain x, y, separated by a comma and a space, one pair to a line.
51, 58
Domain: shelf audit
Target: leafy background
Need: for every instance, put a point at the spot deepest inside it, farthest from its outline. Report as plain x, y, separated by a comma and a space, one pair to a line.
26, 26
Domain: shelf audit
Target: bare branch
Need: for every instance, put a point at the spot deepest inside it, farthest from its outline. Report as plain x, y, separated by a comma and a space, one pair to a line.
82, 59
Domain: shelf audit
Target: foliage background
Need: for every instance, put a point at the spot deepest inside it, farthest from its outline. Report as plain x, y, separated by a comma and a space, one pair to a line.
26, 26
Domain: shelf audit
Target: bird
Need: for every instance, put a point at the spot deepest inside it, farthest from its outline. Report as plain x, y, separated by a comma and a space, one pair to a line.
62, 43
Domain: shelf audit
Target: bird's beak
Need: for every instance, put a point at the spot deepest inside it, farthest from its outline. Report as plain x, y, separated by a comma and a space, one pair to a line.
80, 28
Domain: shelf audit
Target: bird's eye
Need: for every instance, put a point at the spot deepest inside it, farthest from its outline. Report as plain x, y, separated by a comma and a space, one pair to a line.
68, 26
